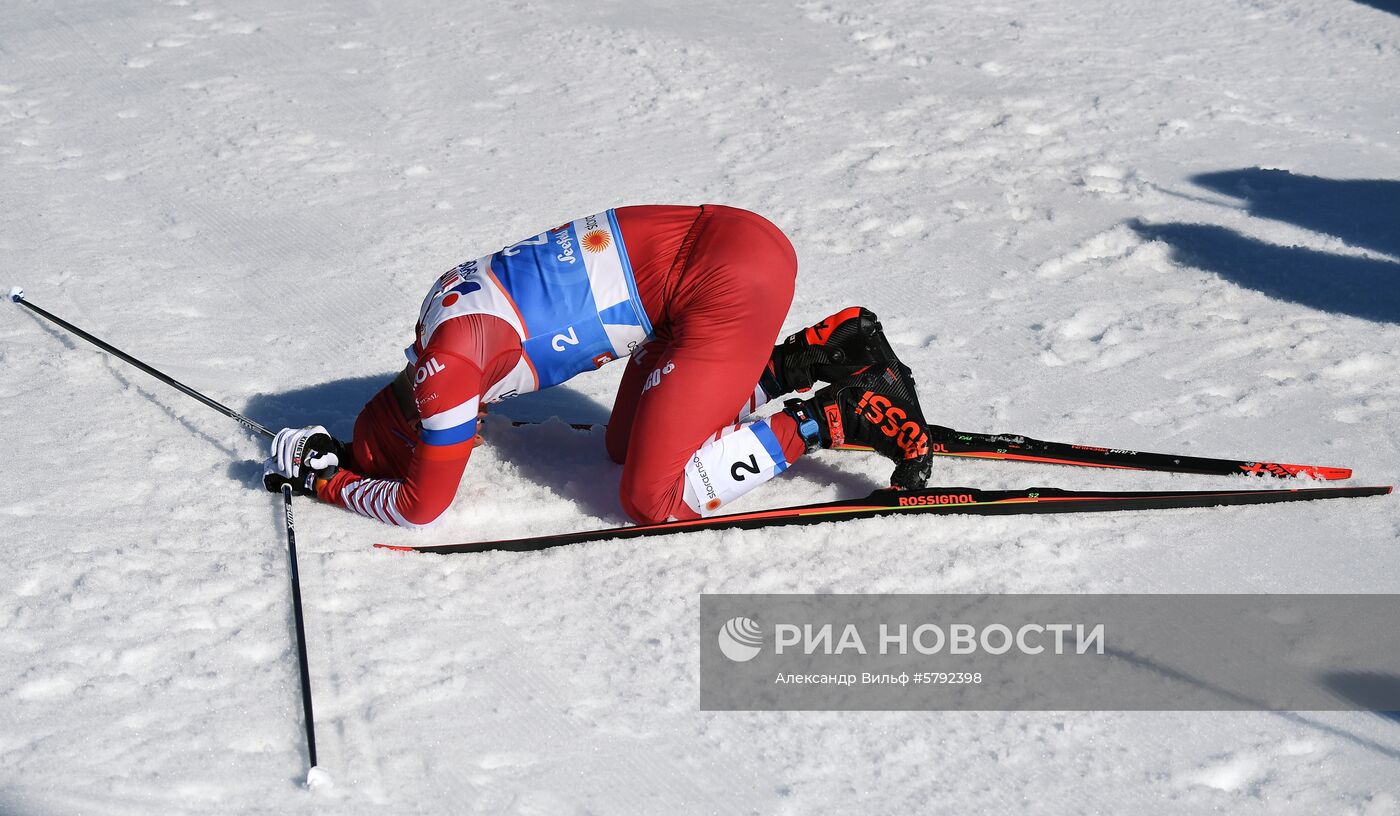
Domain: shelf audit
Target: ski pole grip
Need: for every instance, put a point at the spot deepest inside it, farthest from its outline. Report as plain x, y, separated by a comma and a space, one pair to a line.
16, 294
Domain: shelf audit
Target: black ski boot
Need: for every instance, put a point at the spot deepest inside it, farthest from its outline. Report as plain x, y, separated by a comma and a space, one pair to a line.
876, 409
834, 349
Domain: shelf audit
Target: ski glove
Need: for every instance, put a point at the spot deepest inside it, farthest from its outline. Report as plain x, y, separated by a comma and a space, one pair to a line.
300, 456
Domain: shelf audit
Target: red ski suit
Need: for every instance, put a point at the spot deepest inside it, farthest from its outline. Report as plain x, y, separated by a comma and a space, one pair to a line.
716, 283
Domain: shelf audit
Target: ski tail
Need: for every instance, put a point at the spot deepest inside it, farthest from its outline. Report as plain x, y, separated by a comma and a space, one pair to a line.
933, 500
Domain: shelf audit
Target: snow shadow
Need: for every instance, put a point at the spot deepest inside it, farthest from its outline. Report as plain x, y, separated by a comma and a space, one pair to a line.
573, 464
562, 403
1363, 213
1392, 6
1233, 701
1369, 690
334, 404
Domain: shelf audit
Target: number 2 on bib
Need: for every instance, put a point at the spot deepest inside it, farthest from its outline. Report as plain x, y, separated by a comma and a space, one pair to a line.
568, 338
750, 466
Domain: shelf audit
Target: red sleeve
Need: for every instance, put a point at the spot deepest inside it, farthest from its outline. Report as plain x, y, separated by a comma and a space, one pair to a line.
416, 500
449, 384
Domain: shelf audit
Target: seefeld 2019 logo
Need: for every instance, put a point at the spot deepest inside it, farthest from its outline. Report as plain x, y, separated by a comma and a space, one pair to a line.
740, 639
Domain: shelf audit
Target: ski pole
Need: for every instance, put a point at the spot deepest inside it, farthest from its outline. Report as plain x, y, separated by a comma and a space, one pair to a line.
17, 295
314, 776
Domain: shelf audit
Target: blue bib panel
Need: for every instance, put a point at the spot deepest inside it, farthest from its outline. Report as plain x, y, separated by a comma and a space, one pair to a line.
568, 292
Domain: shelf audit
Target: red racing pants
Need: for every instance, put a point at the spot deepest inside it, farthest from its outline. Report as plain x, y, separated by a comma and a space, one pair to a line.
685, 391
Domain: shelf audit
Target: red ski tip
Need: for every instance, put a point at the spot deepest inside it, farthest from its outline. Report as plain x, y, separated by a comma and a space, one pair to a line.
396, 547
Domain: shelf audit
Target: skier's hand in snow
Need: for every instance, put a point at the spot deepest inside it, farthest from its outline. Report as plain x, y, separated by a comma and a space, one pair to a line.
300, 456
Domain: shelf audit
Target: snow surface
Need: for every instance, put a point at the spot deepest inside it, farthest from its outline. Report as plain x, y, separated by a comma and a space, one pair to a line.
1167, 226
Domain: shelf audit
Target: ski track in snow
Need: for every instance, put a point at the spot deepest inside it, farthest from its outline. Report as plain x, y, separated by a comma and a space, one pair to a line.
1159, 226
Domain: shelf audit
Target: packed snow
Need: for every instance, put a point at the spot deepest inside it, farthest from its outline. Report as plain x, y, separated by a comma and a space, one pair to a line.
1163, 226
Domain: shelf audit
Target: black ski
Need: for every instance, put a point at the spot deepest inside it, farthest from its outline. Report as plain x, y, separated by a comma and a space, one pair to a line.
941, 500
948, 442
1017, 448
